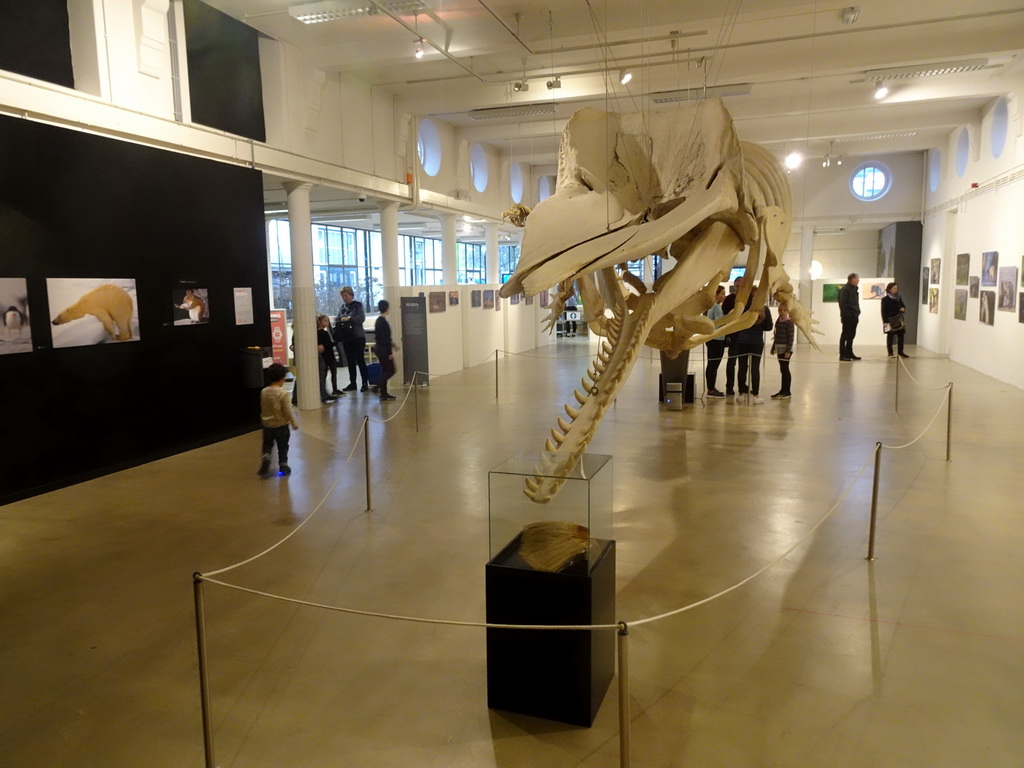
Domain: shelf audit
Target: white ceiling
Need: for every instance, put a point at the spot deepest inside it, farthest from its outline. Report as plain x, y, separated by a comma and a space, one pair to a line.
808, 71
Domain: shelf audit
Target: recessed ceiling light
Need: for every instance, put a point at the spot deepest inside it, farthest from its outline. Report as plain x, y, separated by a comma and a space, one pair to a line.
793, 160
625, 76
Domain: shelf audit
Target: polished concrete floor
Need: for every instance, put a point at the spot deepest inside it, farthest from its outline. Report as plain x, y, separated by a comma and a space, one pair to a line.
824, 660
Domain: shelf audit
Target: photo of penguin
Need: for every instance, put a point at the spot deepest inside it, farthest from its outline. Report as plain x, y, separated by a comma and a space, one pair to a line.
15, 332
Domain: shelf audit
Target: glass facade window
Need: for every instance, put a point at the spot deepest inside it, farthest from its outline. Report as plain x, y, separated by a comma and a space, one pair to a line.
341, 256
508, 257
472, 263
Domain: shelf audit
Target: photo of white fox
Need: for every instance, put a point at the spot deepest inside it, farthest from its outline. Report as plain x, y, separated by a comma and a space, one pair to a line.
15, 332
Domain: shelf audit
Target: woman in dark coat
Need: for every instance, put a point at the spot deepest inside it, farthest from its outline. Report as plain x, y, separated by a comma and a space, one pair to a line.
349, 329
894, 314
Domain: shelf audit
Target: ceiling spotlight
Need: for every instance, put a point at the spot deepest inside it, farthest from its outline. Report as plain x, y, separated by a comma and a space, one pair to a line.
625, 76
881, 90
793, 160
520, 86
419, 48
555, 82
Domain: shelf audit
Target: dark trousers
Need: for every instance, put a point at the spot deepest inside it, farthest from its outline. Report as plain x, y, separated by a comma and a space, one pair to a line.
787, 376
328, 363
748, 355
846, 337
355, 353
387, 370
279, 435
715, 349
900, 335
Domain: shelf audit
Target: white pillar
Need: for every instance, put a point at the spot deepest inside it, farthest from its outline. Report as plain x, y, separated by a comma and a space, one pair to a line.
449, 250
389, 243
303, 299
491, 233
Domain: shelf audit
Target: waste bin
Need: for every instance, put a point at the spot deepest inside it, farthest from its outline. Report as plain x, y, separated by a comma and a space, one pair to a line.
674, 395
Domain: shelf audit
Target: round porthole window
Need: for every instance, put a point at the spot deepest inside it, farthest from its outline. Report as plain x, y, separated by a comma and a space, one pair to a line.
934, 169
515, 182
1000, 127
870, 181
478, 167
963, 152
428, 146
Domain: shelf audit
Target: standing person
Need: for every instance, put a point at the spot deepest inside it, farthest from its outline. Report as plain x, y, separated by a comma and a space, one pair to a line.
893, 317
349, 328
782, 346
715, 347
328, 362
384, 347
275, 415
849, 315
730, 366
749, 347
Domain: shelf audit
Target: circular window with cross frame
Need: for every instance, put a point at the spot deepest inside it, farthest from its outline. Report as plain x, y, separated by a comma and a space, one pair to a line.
870, 181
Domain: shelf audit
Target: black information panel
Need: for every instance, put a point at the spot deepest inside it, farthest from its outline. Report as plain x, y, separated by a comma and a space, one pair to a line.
414, 339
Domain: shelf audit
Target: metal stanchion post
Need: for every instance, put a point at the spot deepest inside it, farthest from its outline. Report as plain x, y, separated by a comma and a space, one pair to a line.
416, 398
896, 404
949, 420
874, 502
204, 681
495, 374
750, 374
366, 453
623, 696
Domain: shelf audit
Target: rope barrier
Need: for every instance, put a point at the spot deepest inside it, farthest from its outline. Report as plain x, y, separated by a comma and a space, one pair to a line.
299, 526
922, 386
413, 619
937, 412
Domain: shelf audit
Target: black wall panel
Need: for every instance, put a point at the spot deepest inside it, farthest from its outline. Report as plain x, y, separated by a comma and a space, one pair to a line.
35, 40
225, 86
75, 205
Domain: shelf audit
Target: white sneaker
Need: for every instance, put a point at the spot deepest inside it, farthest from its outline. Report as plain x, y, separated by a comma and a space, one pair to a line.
756, 400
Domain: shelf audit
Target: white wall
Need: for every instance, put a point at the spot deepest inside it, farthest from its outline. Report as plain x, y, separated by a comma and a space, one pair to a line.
854, 251
869, 329
483, 329
965, 220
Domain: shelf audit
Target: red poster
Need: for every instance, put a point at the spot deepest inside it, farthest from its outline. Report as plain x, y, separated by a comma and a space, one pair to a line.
279, 335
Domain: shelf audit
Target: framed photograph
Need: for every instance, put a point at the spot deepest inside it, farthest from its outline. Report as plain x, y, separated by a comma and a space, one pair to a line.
1020, 308
191, 306
987, 312
543, 298
436, 301
529, 300
960, 304
1007, 289
513, 299
453, 298
497, 302
933, 301
871, 290
936, 264
85, 311
973, 282
989, 268
924, 285
15, 331
474, 298
963, 268
489, 299
829, 292
1022, 271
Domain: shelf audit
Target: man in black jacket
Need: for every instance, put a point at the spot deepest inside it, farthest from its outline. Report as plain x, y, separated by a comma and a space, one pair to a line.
849, 315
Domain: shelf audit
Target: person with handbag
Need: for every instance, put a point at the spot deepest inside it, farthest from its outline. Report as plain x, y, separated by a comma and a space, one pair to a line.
894, 322
349, 328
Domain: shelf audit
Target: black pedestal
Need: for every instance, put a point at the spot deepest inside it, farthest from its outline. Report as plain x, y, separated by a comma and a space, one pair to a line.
559, 675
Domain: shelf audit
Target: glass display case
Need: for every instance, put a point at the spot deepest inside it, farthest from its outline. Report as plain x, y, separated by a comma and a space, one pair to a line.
580, 507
